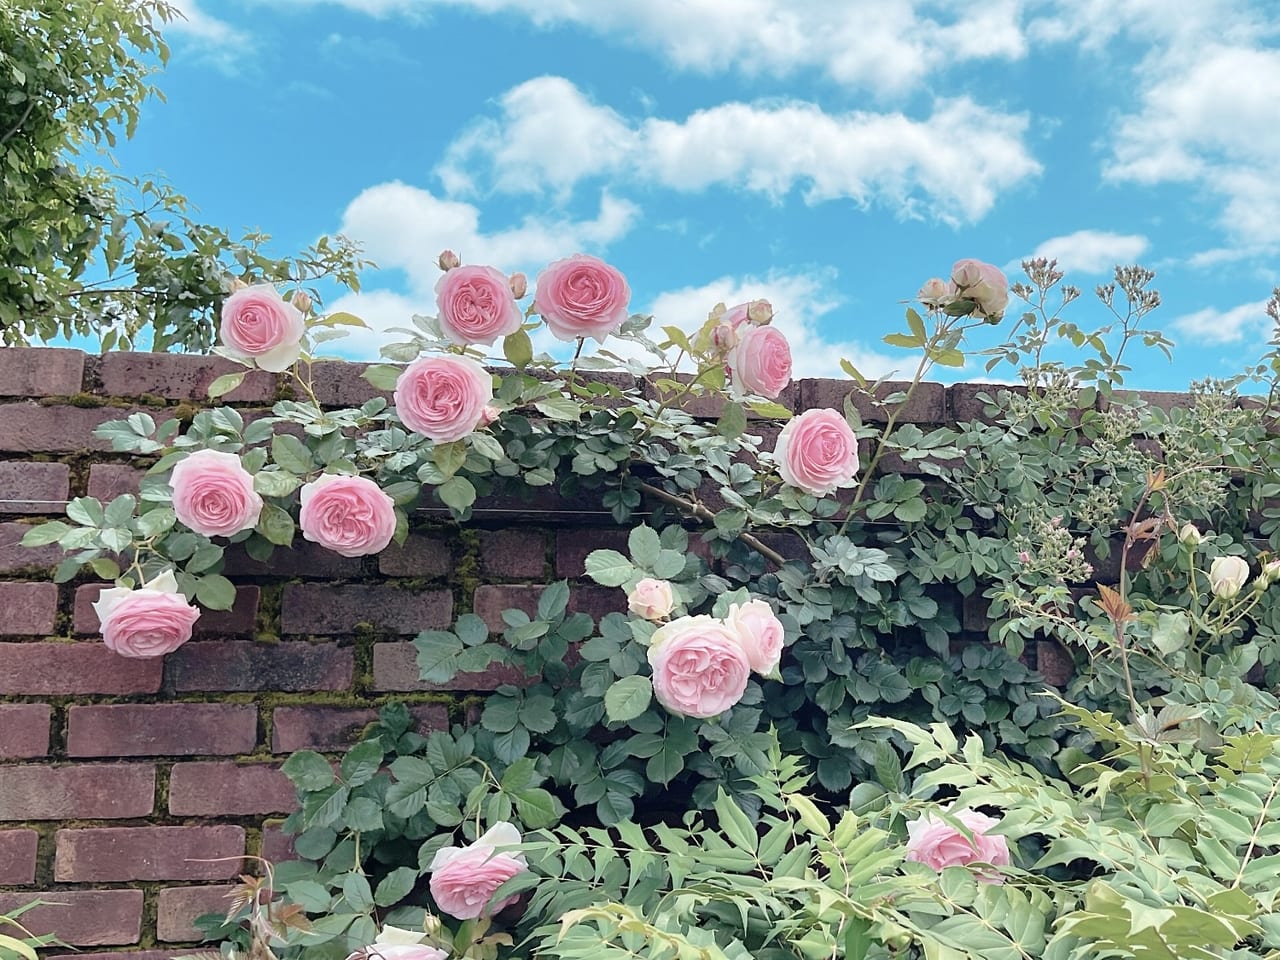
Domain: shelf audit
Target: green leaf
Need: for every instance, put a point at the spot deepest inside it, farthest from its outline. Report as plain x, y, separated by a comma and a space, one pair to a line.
355, 888
105, 567
343, 319
276, 525
382, 376
449, 457
362, 762
275, 483
916, 324
45, 533
216, 592
457, 493
308, 770
395, 886
628, 698
645, 546
733, 421
226, 383
291, 454
518, 349
559, 408
609, 568
949, 358
86, 511
902, 340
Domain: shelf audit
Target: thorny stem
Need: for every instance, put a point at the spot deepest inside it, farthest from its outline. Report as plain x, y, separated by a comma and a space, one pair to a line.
695, 509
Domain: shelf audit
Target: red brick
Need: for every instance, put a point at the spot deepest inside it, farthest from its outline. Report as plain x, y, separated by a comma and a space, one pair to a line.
40, 371
573, 545
221, 788
421, 556
239, 621
24, 730
242, 665
927, 403
97, 791
35, 428
82, 918
15, 557
395, 667
109, 480
70, 668
29, 608
342, 384
161, 729
33, 487
491, 599
304, 559
336, 728
277, 846
178, 377
18, 857
104, 854
177, 907
337, 608
513, 553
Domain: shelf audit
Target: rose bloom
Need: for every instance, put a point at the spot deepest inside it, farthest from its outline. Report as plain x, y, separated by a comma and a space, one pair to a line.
258, 324
937, 844
396, 944
1227, 575
699, 667
760, 632
463, 879
935, 292
817, 452
151, 621
984, 284
213, 494
476, 305
581, 297
651, 599
348, 515
760, 363
443, 397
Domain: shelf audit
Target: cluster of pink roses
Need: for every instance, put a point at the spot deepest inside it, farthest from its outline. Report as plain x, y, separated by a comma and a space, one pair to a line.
757, 355
934, 842
982, 283
701, 664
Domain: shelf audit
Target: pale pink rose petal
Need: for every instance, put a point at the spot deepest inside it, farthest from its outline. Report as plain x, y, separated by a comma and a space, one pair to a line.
651, 599
258, 324
699, 667
213, 494
351, 516
581, 296
476, 305
150, 621
760, 632
817, 452
937, 844
443, 397
463, 879
760, 363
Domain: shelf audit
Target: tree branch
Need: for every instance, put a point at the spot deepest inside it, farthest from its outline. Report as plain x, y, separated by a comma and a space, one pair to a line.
702, 513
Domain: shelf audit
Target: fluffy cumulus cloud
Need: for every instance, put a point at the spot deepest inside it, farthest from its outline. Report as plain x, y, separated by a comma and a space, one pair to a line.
211, 40
951, 165
1091, 251
1247, 321
886, 46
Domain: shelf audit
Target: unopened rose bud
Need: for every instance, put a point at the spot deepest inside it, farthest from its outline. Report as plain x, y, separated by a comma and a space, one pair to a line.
301, 301
1271, 571
934, 292
1024, 556
1227, 575
431, 925
488, 415
724, 337
760, 312
238, 284
448, 260
1189, 535
519, 285
651, 599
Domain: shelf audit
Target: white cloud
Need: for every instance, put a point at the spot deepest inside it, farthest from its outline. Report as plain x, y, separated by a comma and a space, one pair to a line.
887, 46
800, 301
1225, 326
1092, 251
194, 22
950, 166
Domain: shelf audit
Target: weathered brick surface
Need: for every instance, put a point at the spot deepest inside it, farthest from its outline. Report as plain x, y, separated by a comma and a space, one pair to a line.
14, 556
29, 608
574, 544
109, 480
304, 559
40, 371
1054, 663
82, 918
514, 553
239, 621
97, 791
161, 729
395, 668
18, 857
69, 668
927, 403
24, 730
337, 608
223, 788
104, 854
131, 954
33, 487
337, 728
422, 555
491, 599
177, 908
28, 427
175, 377
243, 665
277, 846
342, 384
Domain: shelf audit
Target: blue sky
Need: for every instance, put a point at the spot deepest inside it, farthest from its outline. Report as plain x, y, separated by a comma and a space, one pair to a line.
830, 155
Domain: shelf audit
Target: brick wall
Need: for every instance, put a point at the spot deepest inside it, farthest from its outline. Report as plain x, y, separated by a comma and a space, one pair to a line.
129, 789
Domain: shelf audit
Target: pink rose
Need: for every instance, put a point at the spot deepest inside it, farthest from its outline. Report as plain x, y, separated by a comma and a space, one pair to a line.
463, 879
519, 285
348, 515
443, 397
937, 844
984, 284
760, 632
760, 363
651, 599
396, 944
476, 305
258, 324
817, 452
488, 415
213, 494
935, 292
581, 297
699, 667
151, 621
